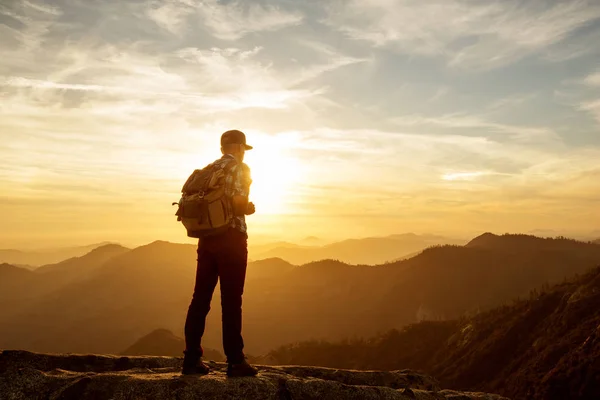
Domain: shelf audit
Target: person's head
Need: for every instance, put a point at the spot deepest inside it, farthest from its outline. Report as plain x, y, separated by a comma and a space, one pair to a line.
234, 142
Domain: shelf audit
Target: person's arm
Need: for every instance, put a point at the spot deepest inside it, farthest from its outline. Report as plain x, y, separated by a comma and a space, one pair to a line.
241, 191
240, 205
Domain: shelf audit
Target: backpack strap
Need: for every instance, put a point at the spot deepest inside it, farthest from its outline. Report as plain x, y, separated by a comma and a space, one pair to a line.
227, 166
230, 165
213, 167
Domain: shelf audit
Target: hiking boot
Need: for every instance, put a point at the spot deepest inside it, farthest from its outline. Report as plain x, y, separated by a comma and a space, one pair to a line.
199, 369
192, 365
242, 369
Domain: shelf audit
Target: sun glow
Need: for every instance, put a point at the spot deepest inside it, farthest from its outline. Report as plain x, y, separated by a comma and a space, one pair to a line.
463, 176
275, 173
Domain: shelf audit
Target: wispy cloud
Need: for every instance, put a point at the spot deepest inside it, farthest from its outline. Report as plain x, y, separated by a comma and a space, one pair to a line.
439, 94
464, 176
424, 174
33, 22
466, 33
171, 15
333, 59
484, 127
236, 19
593, 107
227, 21
226, 69
119, 82
420, 157
21, 82
583, 44
45, 8
593, 79
510, 101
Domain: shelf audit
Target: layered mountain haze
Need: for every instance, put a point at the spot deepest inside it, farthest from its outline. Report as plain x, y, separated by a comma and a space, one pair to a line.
35, 258
115, 305
268, 268
8, 272
312, 241
80, 267
366, 251
372, 250
12, 280
21, 285
136, 291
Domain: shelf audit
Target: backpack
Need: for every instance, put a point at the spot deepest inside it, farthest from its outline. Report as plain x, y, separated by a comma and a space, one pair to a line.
204, 209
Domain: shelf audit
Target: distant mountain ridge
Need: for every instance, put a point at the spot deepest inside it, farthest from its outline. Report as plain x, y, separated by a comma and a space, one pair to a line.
133, 292
20, 286
513, 242
268, 268
365, 251
88, 261
9, 271
36, 258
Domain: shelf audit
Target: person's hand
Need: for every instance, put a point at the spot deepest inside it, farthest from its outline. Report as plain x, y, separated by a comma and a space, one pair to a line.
250, 209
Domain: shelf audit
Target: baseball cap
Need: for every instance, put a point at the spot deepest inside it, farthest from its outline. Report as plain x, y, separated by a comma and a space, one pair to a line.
234, 137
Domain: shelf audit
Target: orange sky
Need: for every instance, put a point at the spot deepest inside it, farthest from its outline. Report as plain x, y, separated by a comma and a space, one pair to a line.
360, 128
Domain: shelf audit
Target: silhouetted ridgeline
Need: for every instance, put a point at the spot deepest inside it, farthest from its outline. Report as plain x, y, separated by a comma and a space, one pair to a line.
546, 347
35, 258
106, 308
17, 283
373, 250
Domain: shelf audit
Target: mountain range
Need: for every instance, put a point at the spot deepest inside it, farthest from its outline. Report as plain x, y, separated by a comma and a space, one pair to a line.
35, 258
545, 347
127, 293
19, 286
365, 251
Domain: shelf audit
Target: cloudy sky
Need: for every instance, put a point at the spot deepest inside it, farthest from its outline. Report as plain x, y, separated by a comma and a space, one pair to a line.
368, 117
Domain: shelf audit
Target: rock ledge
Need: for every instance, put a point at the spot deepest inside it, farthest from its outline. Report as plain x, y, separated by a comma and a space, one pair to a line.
26, 375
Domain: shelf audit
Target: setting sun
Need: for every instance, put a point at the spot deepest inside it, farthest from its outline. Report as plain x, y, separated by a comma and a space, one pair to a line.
275, 174
386, 118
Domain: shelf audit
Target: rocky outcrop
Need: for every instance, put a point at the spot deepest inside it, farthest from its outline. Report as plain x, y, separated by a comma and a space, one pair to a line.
25, 375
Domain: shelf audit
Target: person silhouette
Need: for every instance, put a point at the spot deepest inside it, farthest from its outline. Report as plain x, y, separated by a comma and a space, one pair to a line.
223, 257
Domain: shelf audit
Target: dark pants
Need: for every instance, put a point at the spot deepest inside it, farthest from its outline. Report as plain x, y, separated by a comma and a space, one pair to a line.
221, 257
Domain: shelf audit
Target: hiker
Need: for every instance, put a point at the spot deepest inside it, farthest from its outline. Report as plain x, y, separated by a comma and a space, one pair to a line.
223, 256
